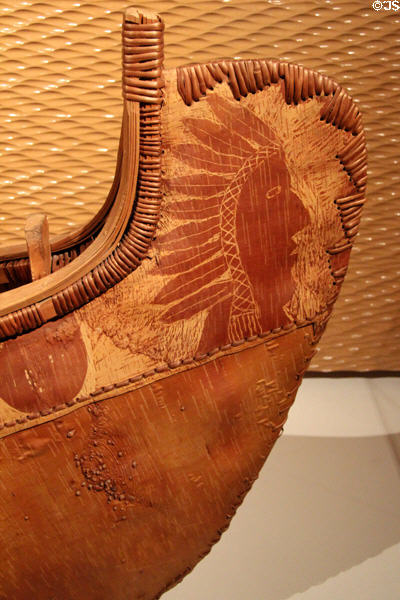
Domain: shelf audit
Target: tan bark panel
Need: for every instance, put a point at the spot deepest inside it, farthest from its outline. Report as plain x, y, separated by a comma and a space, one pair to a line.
121, 499
252, 242
132, 428
45, 161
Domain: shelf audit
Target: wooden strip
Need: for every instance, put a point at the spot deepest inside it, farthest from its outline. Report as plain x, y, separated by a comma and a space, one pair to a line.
37, 240
67, 289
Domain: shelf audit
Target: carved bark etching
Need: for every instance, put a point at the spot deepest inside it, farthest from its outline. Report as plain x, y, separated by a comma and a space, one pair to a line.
144, 383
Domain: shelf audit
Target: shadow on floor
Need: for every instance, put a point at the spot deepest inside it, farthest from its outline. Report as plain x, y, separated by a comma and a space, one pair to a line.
320, 507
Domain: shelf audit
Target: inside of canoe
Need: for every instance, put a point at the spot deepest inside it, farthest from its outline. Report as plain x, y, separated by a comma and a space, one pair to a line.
15, 260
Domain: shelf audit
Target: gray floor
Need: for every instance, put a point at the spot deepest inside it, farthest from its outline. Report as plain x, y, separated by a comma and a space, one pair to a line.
323, 520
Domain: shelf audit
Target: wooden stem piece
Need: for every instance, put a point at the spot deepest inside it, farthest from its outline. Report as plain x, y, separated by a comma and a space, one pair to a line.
38, 242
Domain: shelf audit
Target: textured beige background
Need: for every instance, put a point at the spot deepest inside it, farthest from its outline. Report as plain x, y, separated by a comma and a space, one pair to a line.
60, 112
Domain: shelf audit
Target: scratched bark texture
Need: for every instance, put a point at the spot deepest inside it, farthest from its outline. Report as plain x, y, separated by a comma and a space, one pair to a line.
133, 424
261, 202
60, 121
120, 500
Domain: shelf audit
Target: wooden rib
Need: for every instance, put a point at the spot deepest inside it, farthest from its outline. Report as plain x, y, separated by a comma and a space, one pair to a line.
244, 77
112, 255
62, 242
37, 240
76, 239
110, 235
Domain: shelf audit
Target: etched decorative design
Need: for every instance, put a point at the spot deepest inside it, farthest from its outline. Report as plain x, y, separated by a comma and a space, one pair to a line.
250, 242
239, 178
61, 57
257, 154
186, 366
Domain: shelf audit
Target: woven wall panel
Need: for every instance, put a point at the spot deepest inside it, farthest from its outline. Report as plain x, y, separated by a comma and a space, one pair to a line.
60, 113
